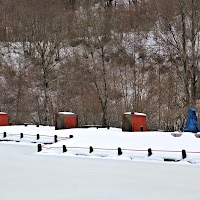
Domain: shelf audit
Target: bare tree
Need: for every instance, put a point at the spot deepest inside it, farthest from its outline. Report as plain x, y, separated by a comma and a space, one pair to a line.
180, 32
42, 32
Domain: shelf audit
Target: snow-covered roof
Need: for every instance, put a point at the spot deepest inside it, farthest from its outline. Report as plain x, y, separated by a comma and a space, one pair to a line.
66, 113
135, 113
127, 113
3, 113
142, 114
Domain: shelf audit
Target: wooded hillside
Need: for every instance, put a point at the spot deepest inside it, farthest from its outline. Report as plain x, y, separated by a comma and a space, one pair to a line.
100, 59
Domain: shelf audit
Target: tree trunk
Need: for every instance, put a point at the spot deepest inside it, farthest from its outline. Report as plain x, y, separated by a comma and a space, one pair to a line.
104, 119
103, 98
46, 95
194, 66
184, 57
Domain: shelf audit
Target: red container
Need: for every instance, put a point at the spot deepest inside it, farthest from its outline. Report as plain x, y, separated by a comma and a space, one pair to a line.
65, 120
134, 122
3, 119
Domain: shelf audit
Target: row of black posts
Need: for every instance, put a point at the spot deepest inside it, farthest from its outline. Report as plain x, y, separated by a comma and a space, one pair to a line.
37, 136
184, 155
55, 140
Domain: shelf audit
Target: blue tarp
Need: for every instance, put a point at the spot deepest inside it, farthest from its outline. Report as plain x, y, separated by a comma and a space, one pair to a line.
191, 124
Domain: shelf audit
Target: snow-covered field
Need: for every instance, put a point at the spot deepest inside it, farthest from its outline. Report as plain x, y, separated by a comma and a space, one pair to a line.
105, 143
26, 175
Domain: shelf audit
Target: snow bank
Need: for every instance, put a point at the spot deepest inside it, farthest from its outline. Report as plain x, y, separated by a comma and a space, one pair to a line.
105, 143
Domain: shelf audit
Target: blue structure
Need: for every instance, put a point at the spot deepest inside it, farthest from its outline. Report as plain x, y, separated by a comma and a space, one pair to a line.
191, 124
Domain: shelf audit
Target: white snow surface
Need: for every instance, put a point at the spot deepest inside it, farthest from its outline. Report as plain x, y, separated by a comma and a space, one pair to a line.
26, 175
105, 143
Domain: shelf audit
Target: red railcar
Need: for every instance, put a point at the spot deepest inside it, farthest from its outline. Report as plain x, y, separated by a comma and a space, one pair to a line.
4, 119
65, 120
134, 122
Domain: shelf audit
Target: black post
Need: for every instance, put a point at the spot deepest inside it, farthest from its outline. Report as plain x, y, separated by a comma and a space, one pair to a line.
38, 136
37, 125
39, 147
184, 155
149, 152
4, 134
71, 136
64, 149
141, 128
55, 138
119, 151
91, 149
21, 135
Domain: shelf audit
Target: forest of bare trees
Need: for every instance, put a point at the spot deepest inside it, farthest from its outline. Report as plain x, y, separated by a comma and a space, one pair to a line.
100, 59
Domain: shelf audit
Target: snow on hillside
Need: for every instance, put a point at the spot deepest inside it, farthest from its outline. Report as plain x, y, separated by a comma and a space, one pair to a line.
105, 143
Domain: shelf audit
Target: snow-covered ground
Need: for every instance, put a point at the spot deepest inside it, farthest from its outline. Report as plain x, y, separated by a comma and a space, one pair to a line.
46, 134
26, 175
105, 143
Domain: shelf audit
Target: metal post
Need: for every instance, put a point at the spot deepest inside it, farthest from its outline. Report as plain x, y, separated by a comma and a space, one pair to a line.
184, 155
91, 149
55, 138
119, 151
64, 149
39, 147
149, 152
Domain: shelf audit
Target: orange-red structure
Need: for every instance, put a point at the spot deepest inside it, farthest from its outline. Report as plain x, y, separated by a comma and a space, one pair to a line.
4, 119
134, 122
65, 120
